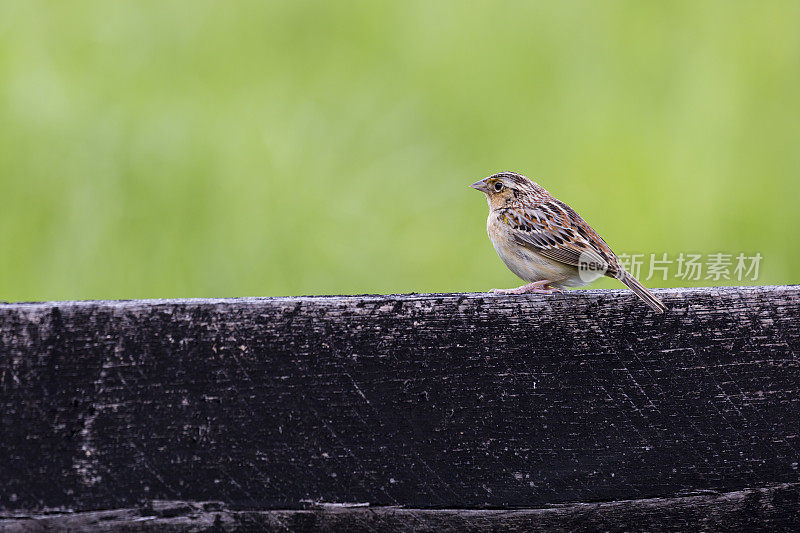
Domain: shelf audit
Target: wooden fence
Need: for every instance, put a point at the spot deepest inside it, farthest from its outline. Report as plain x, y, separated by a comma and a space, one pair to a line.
433, 412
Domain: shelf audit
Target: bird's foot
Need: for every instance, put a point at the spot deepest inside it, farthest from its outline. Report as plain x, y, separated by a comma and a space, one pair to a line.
542, 287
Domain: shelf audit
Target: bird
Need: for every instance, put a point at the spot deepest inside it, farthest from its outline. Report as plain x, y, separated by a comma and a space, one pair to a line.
545, 242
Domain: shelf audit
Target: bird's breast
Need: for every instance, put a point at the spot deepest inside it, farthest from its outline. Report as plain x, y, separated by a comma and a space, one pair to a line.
522, 260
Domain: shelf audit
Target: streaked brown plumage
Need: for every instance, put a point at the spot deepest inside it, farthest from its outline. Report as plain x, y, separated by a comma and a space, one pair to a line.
545, 242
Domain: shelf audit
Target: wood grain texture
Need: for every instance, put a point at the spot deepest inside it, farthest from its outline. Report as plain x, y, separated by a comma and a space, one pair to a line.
424, 401
775, 508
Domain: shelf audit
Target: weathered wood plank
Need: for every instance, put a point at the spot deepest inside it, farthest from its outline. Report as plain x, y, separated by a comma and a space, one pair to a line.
769, 509
464, 400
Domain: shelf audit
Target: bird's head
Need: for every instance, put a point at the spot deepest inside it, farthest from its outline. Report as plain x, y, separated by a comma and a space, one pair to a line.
505, 187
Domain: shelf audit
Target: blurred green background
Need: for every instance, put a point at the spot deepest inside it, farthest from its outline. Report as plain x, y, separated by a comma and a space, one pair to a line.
183, 149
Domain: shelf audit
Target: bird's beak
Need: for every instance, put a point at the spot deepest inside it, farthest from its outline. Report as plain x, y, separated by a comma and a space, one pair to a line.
480, 185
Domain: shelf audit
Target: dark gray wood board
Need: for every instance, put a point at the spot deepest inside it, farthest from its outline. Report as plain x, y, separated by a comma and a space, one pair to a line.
425, 401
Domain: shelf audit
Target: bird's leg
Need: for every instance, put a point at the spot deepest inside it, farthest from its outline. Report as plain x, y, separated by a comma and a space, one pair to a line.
537, 286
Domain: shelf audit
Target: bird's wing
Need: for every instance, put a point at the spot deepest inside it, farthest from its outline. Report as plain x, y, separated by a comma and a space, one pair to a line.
554, 230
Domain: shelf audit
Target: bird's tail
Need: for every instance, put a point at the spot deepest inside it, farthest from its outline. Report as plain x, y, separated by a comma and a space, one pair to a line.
642, 292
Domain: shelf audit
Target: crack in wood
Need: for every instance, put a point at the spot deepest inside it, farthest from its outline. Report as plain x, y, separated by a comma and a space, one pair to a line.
774, 507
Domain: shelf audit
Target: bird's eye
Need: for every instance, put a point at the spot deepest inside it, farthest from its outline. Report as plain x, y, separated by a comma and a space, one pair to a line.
498, 186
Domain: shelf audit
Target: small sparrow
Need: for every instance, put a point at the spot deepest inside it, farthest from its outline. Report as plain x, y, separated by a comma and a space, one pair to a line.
543, 241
